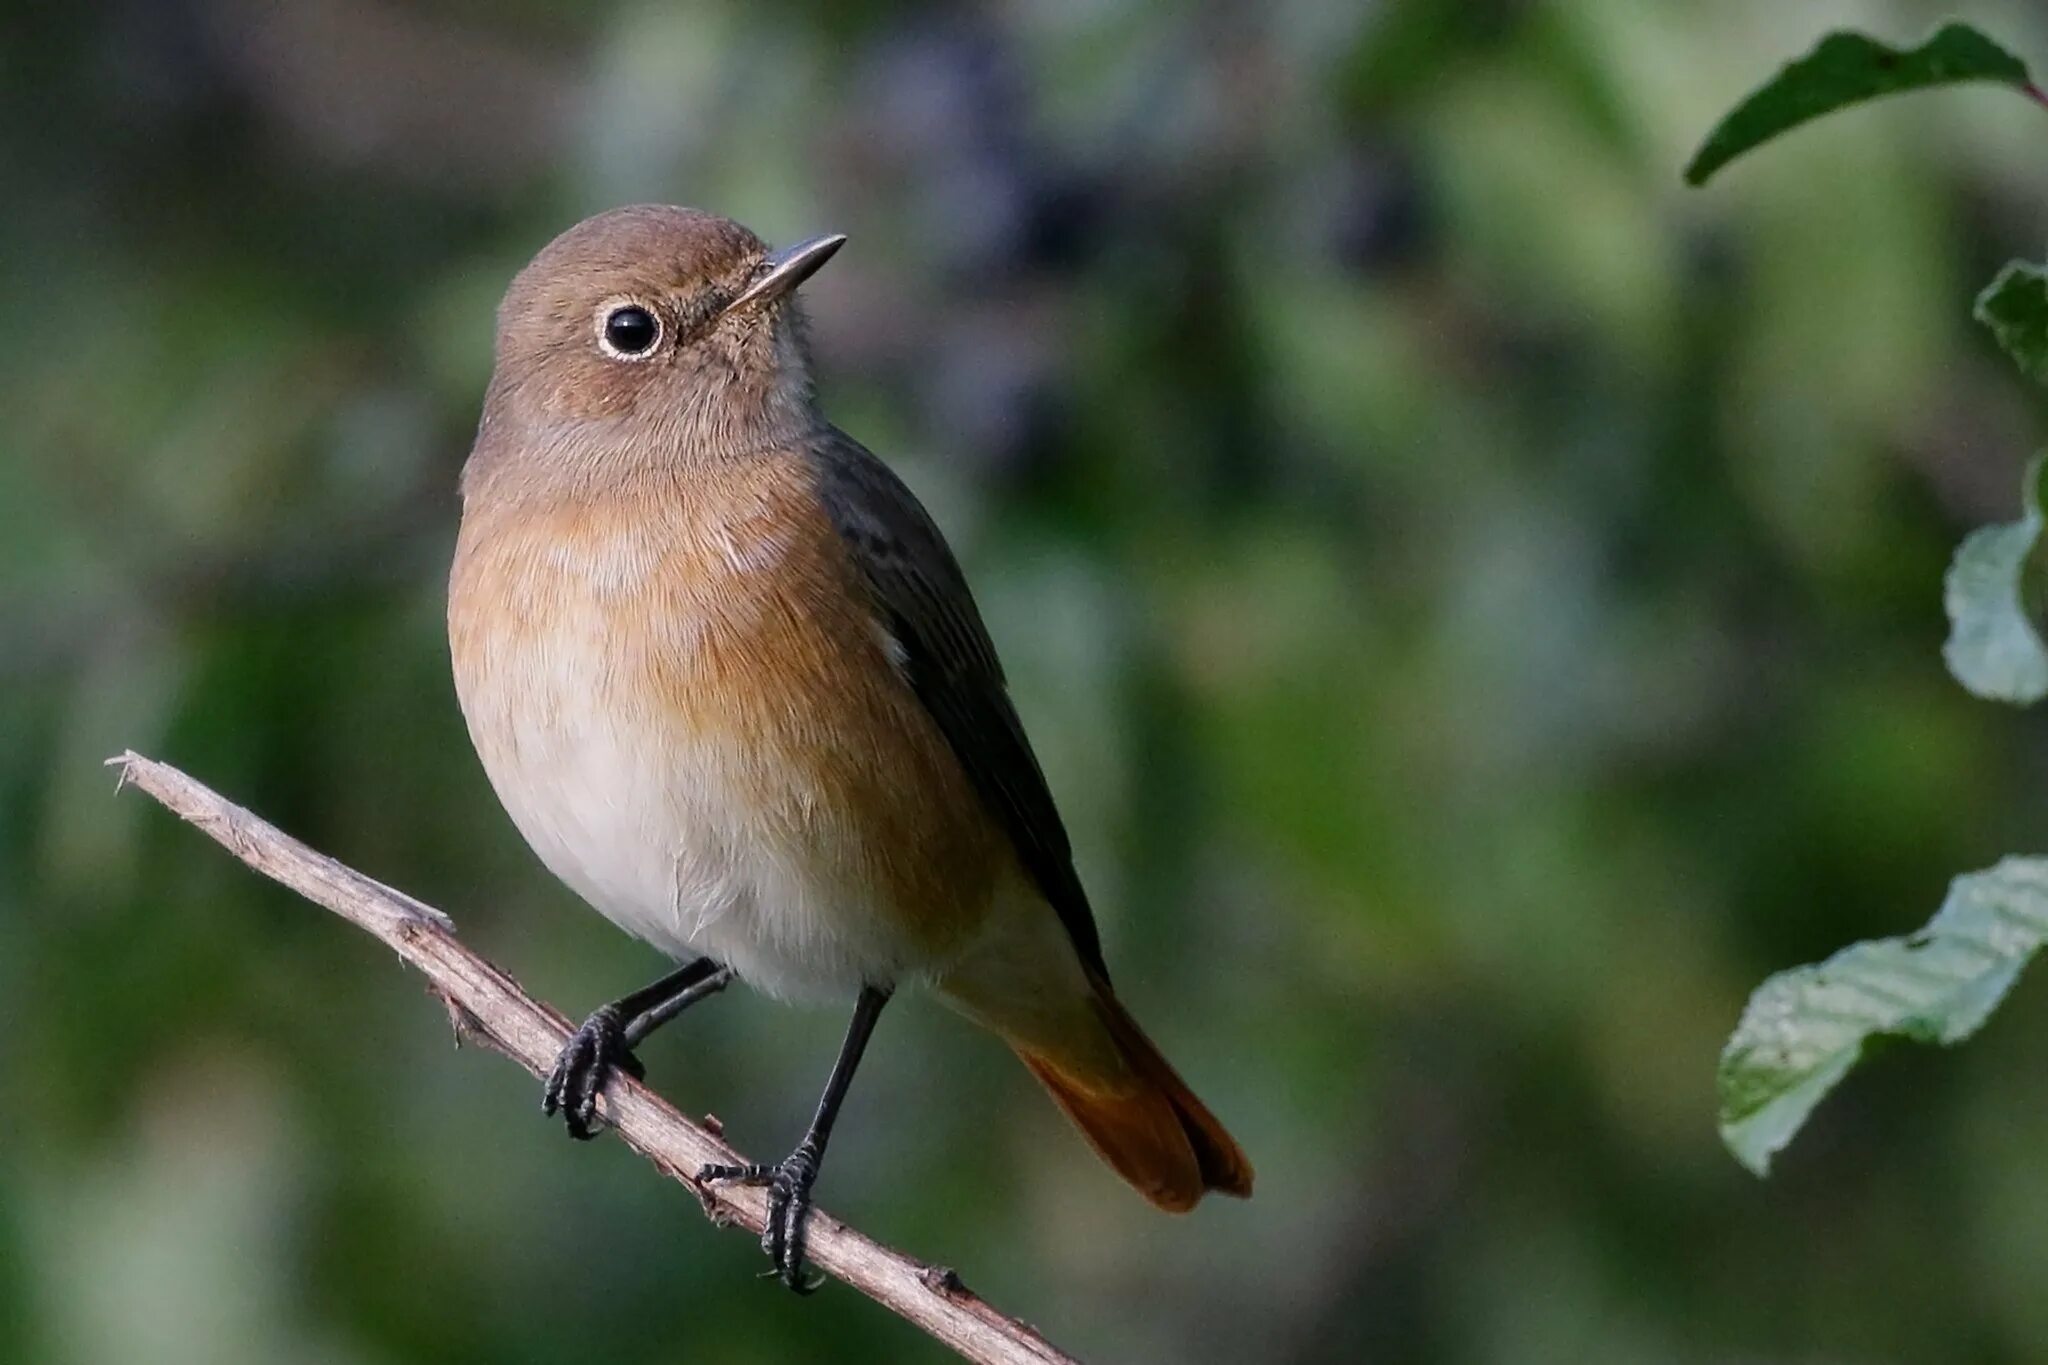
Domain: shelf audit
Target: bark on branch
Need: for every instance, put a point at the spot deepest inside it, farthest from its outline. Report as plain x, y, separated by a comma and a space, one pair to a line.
486, 1004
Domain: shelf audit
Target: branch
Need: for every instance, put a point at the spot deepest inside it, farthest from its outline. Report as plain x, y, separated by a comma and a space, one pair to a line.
484, 1003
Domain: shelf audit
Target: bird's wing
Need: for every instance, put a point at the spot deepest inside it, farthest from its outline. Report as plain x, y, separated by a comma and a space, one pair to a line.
950, 662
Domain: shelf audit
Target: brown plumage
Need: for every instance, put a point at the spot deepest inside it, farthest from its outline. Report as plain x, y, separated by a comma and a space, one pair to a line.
728, 680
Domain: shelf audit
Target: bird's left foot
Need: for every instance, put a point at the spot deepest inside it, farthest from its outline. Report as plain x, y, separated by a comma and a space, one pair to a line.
593, 1052
789, 1184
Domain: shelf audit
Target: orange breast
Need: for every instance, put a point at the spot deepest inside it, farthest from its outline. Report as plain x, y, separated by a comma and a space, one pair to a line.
687, 663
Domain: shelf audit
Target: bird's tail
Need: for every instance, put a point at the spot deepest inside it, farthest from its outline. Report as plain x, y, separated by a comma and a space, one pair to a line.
1138, 1113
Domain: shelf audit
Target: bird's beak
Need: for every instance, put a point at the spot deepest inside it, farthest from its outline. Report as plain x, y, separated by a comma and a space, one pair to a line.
784, 270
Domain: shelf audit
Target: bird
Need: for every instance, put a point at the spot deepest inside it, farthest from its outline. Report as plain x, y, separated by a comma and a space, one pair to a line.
726, 677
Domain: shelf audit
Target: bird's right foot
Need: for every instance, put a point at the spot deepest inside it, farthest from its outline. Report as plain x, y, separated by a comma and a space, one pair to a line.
593, 1052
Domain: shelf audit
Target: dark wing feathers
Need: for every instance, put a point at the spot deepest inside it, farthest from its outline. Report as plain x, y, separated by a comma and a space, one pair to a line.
951, 664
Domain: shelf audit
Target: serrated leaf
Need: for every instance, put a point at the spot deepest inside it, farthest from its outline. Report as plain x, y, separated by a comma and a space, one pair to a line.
1805, 1029
1848, 69
2015, 307
1995, 595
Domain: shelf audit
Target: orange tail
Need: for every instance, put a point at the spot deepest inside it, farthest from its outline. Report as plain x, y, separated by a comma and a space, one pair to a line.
1145, 1123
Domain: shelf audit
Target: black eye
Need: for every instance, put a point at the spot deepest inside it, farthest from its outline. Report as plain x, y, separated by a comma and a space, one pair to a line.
631, 330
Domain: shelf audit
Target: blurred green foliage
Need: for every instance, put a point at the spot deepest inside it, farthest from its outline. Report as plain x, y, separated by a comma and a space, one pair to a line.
1477, 602
1804, 1029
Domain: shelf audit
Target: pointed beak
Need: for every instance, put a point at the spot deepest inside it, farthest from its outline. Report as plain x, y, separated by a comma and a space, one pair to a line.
784, 270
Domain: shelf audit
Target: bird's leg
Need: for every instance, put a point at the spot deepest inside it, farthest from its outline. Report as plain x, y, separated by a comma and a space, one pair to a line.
606, 1040
789, 1181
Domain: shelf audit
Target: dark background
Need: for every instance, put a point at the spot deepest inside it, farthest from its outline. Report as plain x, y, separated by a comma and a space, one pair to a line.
1478, 602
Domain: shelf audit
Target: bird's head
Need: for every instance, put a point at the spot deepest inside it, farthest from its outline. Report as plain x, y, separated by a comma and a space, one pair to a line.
671, 330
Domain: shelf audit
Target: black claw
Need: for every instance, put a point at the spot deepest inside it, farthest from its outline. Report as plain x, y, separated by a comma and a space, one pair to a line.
593, 1052
784, 1234
789, 1181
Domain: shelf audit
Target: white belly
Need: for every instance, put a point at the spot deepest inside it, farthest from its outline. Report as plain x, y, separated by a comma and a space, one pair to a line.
670, 842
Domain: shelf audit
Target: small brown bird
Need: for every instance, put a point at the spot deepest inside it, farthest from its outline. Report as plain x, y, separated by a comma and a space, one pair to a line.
729, 682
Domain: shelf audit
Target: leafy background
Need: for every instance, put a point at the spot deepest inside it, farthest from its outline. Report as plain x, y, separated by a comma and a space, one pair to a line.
1479, 603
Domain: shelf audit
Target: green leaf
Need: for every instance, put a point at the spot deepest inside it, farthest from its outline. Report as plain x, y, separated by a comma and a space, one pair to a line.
1804, 1029
1847, 69
1997, 600
2015, 307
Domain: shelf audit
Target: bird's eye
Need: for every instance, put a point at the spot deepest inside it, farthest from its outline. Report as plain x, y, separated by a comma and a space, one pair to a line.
630, 332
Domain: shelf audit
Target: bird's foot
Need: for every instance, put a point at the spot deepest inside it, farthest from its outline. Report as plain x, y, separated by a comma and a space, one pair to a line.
789, 1184
593, 1052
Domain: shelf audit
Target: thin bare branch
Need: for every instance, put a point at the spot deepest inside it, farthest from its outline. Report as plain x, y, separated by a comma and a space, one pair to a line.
487, 1004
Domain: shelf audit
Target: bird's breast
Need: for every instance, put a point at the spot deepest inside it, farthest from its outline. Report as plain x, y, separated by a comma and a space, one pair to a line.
686, 704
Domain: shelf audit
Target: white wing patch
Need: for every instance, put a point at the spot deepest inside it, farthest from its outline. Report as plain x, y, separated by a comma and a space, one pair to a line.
892, 648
